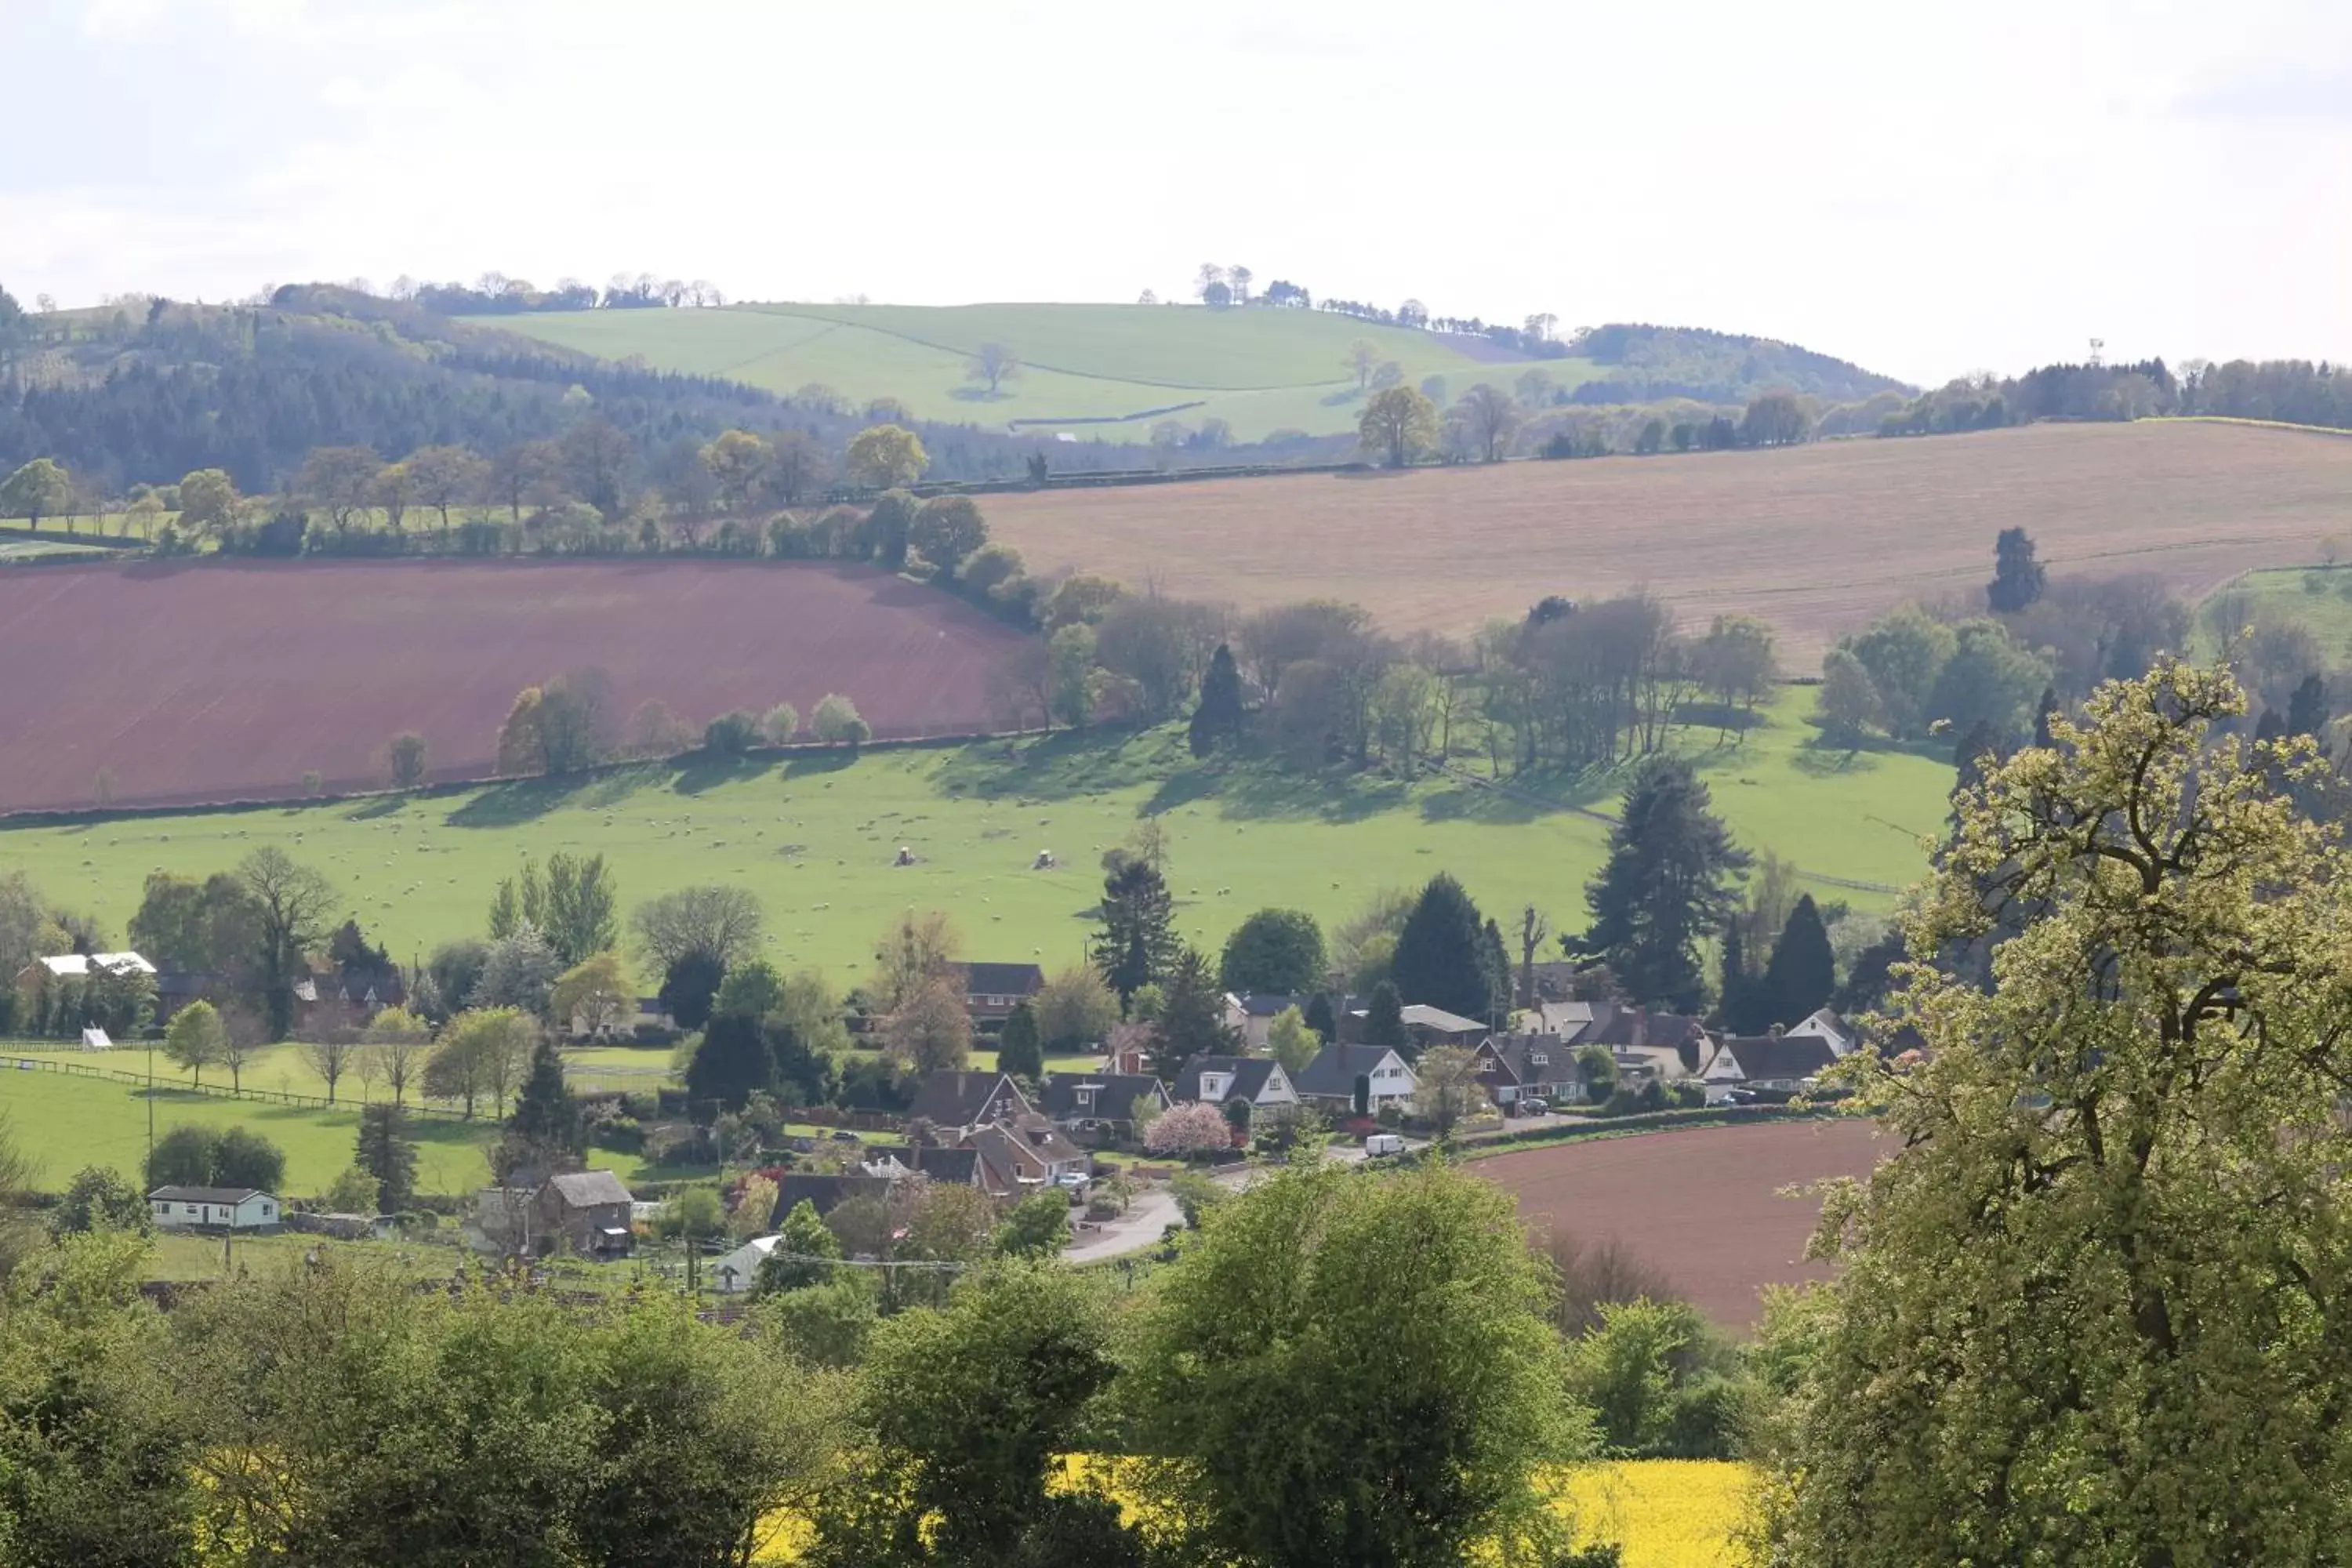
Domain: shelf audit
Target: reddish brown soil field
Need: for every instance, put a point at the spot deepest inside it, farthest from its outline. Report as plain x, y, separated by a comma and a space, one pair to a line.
213, 681
1703, 1207
1816, 540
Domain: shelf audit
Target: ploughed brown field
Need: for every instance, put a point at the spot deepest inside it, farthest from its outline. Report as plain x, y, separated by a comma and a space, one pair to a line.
213, 681
1816, 540
1703, 1207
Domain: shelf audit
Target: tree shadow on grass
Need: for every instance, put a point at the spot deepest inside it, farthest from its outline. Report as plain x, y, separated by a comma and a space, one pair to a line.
1065, 766
381, 806
699, 772
1824, 759
527, 800
816, 765
1261, 790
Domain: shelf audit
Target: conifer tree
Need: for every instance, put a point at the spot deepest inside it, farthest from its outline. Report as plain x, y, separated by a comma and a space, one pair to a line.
1803, 974
1670, 877
1218, 718
1441, 956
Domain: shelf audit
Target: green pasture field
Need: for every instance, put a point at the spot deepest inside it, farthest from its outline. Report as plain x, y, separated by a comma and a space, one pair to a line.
1259, 370
63, 1123
2318, 598
814, 838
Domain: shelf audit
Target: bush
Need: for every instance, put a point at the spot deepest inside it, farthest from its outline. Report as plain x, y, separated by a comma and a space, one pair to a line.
730, 734
100, 1198
836, 723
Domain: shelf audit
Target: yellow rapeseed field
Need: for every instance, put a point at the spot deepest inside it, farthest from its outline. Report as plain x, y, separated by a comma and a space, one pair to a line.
1666, 1513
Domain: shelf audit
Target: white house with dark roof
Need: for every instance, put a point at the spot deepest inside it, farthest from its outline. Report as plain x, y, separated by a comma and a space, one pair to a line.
213, 1208
1332, 1077
1258, 1081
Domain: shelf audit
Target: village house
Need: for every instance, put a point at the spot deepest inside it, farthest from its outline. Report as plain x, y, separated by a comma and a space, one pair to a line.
1426, 1025
1099, 1105
958, 1103
1331, 1082
1127, 1051
589, 1210
1823, 1023
1775, 1065
1257, 1082
991, 991
213, 1208
1514, 1068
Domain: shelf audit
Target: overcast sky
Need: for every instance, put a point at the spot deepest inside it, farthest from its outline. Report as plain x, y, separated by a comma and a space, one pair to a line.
1925, 189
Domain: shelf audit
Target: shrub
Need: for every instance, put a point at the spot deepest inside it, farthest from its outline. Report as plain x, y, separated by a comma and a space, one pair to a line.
730, 734
836, 721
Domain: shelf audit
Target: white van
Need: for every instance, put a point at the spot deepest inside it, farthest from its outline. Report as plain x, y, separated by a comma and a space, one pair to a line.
1379, 1143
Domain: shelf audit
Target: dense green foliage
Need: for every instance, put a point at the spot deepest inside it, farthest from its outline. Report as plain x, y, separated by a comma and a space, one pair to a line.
2089, 1312
1668, 885
1353, 1371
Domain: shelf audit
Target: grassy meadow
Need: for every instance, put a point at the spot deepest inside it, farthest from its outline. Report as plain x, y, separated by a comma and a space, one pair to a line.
2318, 598
1259, 370
816, 837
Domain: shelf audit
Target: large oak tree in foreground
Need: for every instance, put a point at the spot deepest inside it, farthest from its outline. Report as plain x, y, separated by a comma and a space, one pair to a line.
2098, 1309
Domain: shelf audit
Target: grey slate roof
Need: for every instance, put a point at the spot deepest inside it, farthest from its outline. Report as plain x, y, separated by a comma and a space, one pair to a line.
1780, 1056
227, 1196
1332, 1074
1115, 1094
962, 1098
1249, 1073
589, 1189
1002, 979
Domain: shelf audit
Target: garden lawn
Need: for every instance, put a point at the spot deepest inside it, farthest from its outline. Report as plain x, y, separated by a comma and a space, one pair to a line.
815, 838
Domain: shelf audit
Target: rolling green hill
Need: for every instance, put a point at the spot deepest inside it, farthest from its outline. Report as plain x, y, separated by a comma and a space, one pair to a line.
814, 838
1259, 370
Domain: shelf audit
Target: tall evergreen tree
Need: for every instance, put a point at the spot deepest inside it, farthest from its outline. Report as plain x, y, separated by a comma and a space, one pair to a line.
728, 1066
1320, 1018
1018, 1049
1218, 718
1440, 954
1671, 876
2042, 710
1737, 988
2017, 577
1192, 1018
386, 1153
2307, 707
1495, 961
1803, 974
1384, 1017
1136, 940
545, 1126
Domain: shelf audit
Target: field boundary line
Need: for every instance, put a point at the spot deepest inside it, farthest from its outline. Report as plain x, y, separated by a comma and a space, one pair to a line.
33, 1061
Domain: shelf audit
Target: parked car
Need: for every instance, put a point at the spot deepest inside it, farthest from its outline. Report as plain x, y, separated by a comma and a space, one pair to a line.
1379, 1143
1531, 1105
844, 1135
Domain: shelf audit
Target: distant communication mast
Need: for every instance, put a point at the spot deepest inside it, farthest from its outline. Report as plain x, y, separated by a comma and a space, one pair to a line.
2098, 350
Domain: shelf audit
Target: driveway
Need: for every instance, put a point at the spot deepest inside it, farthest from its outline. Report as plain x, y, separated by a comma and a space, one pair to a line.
1154, 1210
